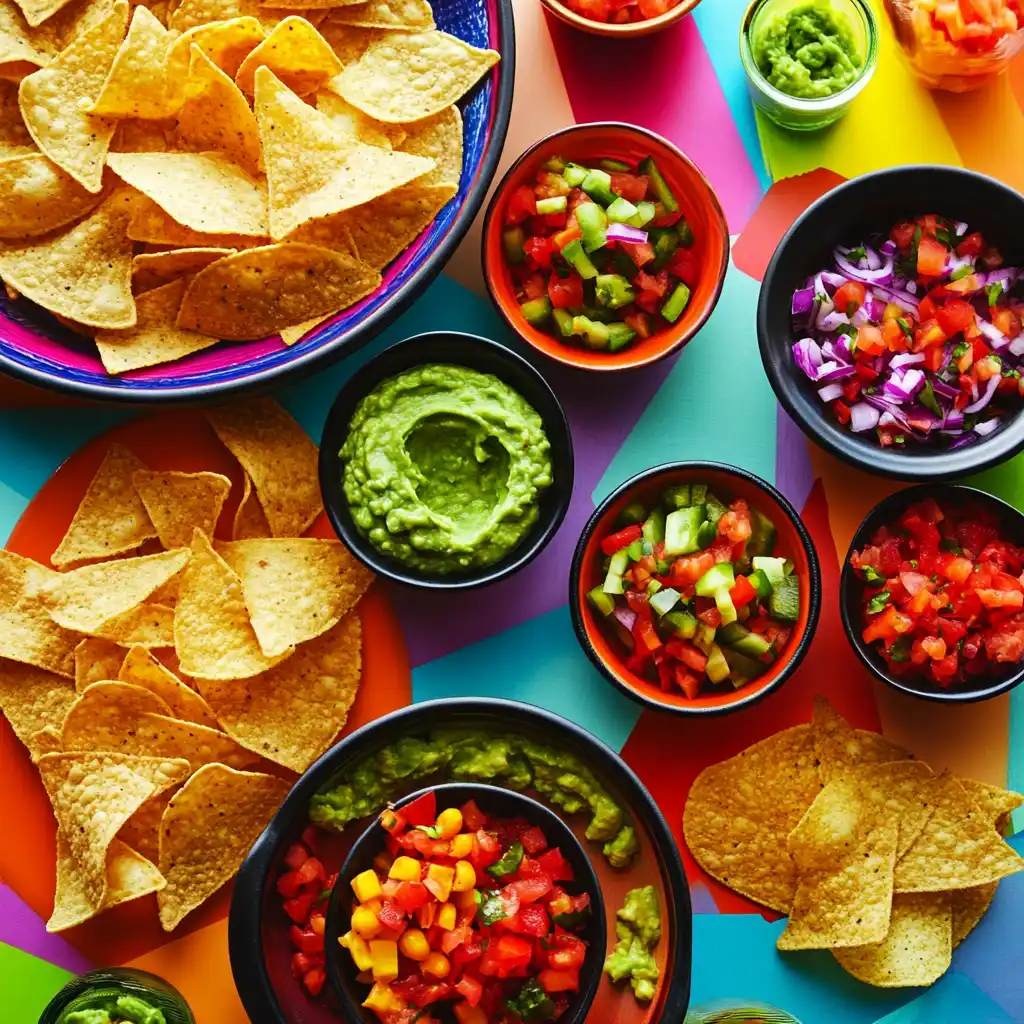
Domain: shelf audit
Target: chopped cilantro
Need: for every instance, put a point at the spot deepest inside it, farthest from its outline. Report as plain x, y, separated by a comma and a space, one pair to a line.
900, 649
928, 400
905, 328
960, 273
942, 235
994, 292
878, 602
869, 574
854, 255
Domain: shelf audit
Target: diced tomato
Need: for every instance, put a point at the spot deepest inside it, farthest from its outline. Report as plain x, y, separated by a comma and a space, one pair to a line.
410, 896
617, 541
565, 291
895, 341
849, 297
534, 287
639, 603
313, 980
296, 856
559, 981
743, 592
931, 257
971, 245
299, 907
656, 283
641, 253
903, 234
306, 940
1005, 643
685, 652
641, 323
538, 252
663, 218
632, 187
529, 890
522, 203
311, 870
554, 865
869, 340
955, 317
568, 954
505, 955
685, 265
531, 919
1006, 321
288, 885
470, 989
711, 617
887, 625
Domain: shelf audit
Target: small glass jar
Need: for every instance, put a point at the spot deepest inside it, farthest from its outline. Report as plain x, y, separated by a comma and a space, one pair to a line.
737, 1011
796, 112
82, 992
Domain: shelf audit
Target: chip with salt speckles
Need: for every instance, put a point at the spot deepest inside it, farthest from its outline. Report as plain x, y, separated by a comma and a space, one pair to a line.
411, 15
36, 197
297, 54
178, 502
32, 699
154, 269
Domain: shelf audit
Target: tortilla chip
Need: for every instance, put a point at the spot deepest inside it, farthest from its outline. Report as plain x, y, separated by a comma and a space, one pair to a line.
37, 11
109, 700
93, 795
214, 638
279, 457
141, 668
297, 55
349, 42
83, 272
354, 124
138, 84
958, 849
129, 876
839, 746
216, 116
313, 169
155, 338
902, 791
149, 223
917, 949
178, 503
250, 519
255, 293
96, 659
207, 830
409, 76
134, 135
142, 830
408, 15
739, 814
33, 699
86, 599
969, 906
226, 43
14, 137
292, 335
994, 803
27, 633
440, 139
46, 741
295, 589
148, 625
36, 196
191, 13
55, 101
19, 43
154, 269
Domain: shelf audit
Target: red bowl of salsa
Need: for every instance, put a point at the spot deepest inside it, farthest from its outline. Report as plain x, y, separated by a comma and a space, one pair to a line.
932, 595
618, 20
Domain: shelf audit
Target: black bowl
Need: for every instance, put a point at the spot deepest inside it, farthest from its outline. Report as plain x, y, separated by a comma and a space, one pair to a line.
258, 930
121, 981
845, 216
478, 354
851, 589
496, 803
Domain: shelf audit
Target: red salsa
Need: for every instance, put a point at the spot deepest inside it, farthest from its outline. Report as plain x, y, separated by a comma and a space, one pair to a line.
943, 597
620, 12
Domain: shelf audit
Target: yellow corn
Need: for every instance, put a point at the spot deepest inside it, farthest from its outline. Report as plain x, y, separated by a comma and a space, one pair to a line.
442, 877
449, 822
366, 886
447, 916
891, 311
414, 945
465, 876
436, 965
465, 900
383, 1000
384, 954
365, 923
359, 948
462, 845
405, 869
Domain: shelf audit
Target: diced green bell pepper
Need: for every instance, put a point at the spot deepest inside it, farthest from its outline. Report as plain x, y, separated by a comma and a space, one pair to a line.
574, 174
598, 185
575, 256
704, 638
594, 335
653, 586
621, 211
762, 536
556, 164
553, 204
761, 584
677, 302
536, 311
785, 600
725, 606
563, 321
512, 241
682, 624
665, 600
773, 568
593, 223
685, 232
714, 509
657, 182
706, 535
698, 494
619, 336
613, 291
654, 527
603, 602
635, 551
718, 577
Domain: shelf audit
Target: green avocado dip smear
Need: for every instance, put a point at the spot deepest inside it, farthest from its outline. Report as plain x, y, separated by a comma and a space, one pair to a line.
444, 467
638, 930
105, 1007
808, 51
519, 763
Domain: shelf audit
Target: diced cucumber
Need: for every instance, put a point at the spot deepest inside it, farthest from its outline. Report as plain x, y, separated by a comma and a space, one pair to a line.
753, 645
664, 600
613, 291
654, 527
553, 204
613, 584
731, 633
773, 568
718, 577
619, 336
647, 546
681, 529
624, 264
579, 260
698, 494
594, 335
619, 212
761, 584
536, 311
723, 602
665, 241
742, 669
762, 536
574, 174
635, 551
633, 514
676, 496
714, 509
788, 567
649, 168
706, 535
653, 586
704, 637
717, 668
682, 624
645, 213
617, 565
616, 166
677, 302
602, 601
785, 600
663, 566
563, 321
555, 164
686, 238
598, 185
593, 224
619, 562
512, 241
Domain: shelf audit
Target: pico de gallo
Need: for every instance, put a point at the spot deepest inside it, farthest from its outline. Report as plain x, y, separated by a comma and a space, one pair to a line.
602, 255
620, 12
693, 592
915, 338
466, 910
943, 594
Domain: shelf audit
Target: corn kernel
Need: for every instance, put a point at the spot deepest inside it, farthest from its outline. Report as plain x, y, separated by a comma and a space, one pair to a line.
465, 901
405, 869
465, 876
359, 948
384, 953
365, 923
447, 916
441, 878
414, 945
383, 1000
462, 845
449, 822
366, 886
436, 965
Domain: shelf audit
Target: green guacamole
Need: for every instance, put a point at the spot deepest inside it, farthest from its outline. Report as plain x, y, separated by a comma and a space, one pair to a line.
104, 1007
638, 930
519, 763
443, 468
808, 51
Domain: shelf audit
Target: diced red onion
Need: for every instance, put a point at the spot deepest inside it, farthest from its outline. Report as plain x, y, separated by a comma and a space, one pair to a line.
626, 616
1017, 346
951, 433
888, 248
995, 337
872, 258
830, 321
953, 420
912, 381
986, 396
883, 275
863, 417
986, 426
830, 281
965, 439
874, 306
944, 390
625, 233
829, 372
954, 263
903, 299
803, 300
961, 227
807, 354
911, 287
904, 359
830, 392
888, 419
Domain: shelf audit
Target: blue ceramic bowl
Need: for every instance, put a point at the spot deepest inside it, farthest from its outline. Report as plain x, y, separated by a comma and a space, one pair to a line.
35, 348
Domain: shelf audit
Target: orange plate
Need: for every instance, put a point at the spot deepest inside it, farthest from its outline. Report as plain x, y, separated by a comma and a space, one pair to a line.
792, 542
182, 441
586, 143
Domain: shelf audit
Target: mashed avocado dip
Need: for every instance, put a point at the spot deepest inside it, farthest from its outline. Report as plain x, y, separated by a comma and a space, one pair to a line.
808, 51
444, 467
638, 930
104, 1007
519, 763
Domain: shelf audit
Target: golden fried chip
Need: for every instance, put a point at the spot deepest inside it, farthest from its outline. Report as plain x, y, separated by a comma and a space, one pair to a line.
155, 338
250, 519
349, 42
142, 830
149, 223
839, 746
83, 272
46, 741
255, 293
994, 803
178, 503
129, 876
959, 847
37, 11
14, 137
111, 518
141, 668
208, 828
279, 457
739, 814
408, 76
291, 335
354, 124
110, 700
138, 84
214, 638
313, 169
88, 598
440, 139
409, 15
969, 906
19, 43
36, 196
135, 135
154, 269
73, 20
149, 624
93, 795
191, 13
96, 659
226, 43
297, 55
55, 101
295, 588
32, 700
902, 791
216, 116
916, 950
27, 633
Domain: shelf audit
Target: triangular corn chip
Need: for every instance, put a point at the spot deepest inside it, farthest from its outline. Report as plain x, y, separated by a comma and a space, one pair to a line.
32, 699
154, 269
141, 668
226, 43
250, 519
96, 659
408, 15
178, 503
296, 53
36, 197
440, 139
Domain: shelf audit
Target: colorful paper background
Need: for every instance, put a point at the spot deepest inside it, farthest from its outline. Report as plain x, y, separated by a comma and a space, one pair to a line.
712, 402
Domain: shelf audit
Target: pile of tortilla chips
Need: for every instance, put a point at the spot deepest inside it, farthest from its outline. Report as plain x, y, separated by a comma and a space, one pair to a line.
176, 173
871, 854
168, 684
